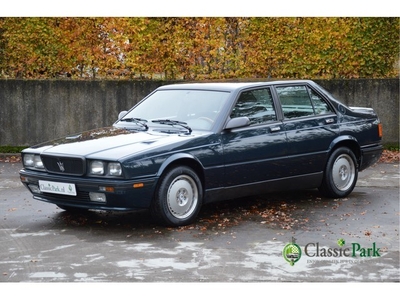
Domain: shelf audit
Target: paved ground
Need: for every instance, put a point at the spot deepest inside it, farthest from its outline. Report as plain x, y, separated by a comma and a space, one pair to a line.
237, 241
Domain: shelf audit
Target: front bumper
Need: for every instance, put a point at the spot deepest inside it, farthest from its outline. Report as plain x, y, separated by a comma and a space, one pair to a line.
117, 195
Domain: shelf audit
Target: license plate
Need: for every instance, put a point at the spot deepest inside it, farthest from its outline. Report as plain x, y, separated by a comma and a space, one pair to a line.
57, 187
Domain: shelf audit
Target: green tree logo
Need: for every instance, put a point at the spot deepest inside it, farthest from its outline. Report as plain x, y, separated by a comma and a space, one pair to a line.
292, 252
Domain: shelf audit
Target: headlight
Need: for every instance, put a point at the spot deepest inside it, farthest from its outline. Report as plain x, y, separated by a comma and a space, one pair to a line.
37, 162
29, 160
99, 168
96, 167
114, 169
33, 161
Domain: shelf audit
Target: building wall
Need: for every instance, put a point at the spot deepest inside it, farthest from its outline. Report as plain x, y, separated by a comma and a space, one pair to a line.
33, 111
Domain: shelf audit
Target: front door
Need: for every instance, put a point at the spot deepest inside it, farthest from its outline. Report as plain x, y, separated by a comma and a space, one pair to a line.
255, 153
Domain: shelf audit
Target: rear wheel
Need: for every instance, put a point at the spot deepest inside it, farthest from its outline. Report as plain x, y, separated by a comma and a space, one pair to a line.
178, 198
341, 174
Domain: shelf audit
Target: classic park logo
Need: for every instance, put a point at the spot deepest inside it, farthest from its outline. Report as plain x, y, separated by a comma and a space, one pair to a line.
292, 252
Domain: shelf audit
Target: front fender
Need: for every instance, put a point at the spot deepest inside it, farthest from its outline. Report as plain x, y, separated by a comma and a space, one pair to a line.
174, 158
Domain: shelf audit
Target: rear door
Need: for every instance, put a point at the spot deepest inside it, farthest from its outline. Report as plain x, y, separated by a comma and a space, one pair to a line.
310, 124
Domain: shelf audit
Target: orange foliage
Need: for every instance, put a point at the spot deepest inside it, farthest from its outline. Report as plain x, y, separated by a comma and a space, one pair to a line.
199, 48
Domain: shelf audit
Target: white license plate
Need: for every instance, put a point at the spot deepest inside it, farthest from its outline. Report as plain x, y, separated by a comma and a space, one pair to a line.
57, 187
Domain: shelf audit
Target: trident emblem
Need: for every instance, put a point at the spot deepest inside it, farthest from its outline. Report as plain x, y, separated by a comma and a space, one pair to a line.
61, 166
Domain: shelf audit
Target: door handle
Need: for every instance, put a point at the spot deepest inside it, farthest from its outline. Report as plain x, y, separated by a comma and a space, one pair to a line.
330, 120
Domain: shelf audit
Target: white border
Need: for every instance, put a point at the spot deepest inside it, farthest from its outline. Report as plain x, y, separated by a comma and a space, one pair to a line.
204, 8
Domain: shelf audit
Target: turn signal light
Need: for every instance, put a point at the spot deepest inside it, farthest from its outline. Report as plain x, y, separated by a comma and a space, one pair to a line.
380, 130
138, 185
109, 189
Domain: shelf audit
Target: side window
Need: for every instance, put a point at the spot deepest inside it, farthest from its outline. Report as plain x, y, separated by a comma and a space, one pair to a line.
257, 105
320, 106
295, 101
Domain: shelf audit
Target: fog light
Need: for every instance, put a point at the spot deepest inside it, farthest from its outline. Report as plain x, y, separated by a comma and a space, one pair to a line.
34, 189
97, 197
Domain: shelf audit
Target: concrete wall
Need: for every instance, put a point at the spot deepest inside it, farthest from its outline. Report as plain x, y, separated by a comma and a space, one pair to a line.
33, 111
380, 94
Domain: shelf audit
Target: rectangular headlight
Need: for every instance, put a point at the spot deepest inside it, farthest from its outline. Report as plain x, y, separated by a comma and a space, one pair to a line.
29, 160
33, 161
96, 167
114, 169
37, 162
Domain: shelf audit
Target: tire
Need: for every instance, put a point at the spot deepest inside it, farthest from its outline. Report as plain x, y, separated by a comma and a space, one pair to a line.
178, 198
340, 175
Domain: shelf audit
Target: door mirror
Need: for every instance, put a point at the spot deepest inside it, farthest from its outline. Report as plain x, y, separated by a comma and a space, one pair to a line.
237, 122
122, 114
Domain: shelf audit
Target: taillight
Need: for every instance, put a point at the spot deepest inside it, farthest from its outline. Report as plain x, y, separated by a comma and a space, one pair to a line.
380, 131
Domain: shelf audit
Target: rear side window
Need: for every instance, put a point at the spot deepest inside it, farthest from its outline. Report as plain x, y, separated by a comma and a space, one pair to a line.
301, 101
257, 105
320, 106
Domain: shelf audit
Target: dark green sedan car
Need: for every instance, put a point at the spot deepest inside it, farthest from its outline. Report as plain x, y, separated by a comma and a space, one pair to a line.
187, 145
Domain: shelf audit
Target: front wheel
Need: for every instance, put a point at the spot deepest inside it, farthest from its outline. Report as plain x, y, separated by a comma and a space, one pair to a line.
340, 175
178, 198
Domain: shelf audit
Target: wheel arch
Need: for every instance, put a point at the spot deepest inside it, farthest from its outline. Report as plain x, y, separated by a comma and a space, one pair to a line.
160, 209
183, 159
349, 142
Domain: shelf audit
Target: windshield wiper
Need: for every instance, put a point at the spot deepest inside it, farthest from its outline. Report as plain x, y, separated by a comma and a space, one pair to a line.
173, 123
139, 121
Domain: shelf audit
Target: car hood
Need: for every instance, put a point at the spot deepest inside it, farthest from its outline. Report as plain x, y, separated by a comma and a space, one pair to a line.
110, 143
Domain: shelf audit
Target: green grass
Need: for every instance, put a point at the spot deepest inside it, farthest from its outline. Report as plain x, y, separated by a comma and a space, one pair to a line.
11, 149
391, 147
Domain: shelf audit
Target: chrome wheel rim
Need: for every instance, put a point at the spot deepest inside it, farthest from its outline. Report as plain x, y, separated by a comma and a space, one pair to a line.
182, 196
343, 172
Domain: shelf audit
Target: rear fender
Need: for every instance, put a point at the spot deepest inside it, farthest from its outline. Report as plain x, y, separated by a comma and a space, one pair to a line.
349, 142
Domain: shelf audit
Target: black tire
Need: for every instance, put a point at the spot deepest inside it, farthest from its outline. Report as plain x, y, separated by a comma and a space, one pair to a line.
178, 198
340, 175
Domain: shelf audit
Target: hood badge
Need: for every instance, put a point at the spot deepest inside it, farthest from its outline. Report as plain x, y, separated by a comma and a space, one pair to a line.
61, 166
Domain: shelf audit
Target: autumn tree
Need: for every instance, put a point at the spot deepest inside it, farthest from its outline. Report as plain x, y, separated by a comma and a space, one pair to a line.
199, 48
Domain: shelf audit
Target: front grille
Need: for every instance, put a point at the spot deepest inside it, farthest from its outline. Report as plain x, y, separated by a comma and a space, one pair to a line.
64, 165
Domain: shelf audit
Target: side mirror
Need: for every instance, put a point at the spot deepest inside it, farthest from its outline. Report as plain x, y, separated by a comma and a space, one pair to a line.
122, 114
237, 122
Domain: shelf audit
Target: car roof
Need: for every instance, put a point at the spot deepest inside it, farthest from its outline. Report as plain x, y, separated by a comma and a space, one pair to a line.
228, 86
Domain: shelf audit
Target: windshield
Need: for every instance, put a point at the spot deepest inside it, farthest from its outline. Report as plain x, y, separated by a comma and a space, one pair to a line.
197, 108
